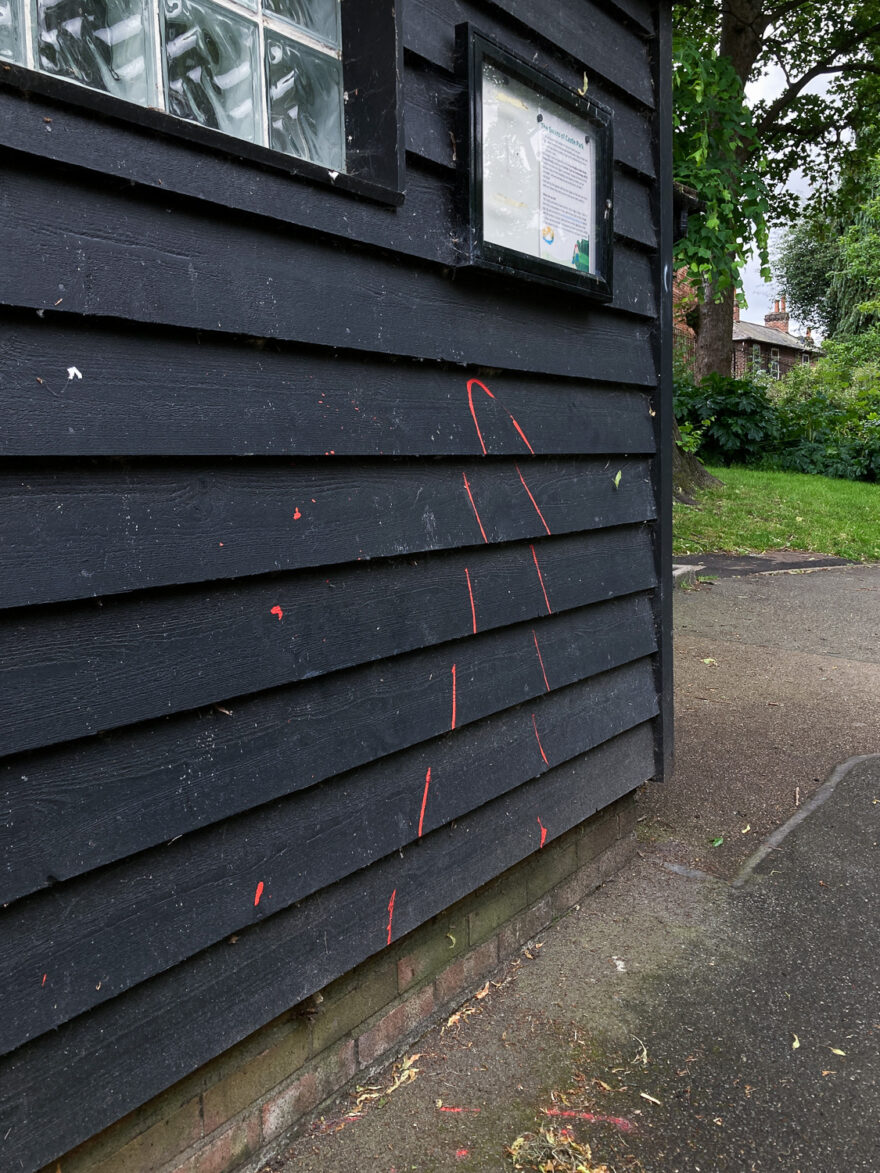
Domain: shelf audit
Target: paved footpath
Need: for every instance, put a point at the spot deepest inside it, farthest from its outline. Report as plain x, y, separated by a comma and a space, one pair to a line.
713, 1007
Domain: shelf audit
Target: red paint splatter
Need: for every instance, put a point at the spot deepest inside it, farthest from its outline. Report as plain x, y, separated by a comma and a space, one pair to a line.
43, 982
592, 1118
449, 1108
220, 543
258, 893
532, 499
540, 824
541, 661
471, 593
276, 610
462, 1153
473, 506
540, 747
390, 914
296, 514
454, 697
470, 390
541, 580
424, 801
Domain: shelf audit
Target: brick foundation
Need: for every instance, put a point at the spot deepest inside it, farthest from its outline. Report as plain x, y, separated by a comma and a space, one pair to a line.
234, 1112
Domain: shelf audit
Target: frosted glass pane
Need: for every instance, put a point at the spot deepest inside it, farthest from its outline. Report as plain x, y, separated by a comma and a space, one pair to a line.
305, 102
320, 17
105, 44
11, 48
212, 68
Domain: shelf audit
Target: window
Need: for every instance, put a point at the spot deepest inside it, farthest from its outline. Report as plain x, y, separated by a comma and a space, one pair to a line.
756, 356
774, 363
309, 86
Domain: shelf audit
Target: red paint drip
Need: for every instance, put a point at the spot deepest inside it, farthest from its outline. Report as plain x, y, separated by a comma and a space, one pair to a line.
541, 825
541, 662
592, 1118
471, 593
296, 514
43, 982
470, 390
473, 506
258, 893
276, 610
532, 499
424, 801
540, 747
390, 914
541, 580
454, 697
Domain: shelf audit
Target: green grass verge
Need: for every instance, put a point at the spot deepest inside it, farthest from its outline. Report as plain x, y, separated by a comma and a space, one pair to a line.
757, 511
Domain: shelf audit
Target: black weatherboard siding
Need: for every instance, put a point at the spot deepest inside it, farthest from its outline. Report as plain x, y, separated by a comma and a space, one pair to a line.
332, 569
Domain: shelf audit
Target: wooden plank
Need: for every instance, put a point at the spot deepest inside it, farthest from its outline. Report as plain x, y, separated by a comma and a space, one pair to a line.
97, 1067
106, 932
78, 807
141, 397
432, 123
124, 257
86, 532
634, 283
135, 154
582, 34
89, 667
633, 216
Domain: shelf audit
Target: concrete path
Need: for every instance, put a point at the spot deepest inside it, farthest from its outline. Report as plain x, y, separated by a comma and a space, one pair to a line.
713, 1007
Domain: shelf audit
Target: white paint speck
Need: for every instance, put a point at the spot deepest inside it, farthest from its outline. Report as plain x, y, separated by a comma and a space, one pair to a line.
73, 373
619, 965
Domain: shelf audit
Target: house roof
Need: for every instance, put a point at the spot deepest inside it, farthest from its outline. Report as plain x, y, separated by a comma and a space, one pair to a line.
766, 334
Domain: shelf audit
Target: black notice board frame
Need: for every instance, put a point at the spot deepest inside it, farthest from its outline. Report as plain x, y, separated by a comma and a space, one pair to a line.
473, 49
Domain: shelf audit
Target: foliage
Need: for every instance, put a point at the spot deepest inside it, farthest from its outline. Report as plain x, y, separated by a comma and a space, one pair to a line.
736, 417
804, 264
760, 510
717, 154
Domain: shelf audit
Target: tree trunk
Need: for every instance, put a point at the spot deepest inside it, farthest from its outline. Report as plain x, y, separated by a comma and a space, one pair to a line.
714, 342
688, 475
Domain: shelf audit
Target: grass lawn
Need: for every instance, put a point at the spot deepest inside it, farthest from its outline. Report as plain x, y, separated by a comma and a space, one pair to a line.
757, 511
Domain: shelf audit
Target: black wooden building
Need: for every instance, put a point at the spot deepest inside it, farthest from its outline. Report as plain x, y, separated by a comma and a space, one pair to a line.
325, 551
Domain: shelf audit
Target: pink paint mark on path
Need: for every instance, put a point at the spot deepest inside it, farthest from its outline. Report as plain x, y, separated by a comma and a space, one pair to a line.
473, 506
541, 661
592, 1118
258, 893
449, 1108
424, 801
532, 499
276, 610
543, 829
471, 594
454, 697
391, 914
541, 580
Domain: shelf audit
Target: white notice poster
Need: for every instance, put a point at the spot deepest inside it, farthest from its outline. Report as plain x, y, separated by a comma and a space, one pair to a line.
538, 174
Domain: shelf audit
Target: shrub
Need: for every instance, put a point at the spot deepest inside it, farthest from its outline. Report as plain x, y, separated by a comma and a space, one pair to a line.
737, 419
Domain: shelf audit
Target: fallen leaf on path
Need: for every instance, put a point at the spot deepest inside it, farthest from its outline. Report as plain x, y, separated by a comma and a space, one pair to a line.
483, 992
650, 1099
836, 1051
718, 840
746, 829
796, 1043
710, 660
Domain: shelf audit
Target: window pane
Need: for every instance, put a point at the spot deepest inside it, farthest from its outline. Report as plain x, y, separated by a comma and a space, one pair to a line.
305, 102
212, 67
10, 31
320, 17
105, 44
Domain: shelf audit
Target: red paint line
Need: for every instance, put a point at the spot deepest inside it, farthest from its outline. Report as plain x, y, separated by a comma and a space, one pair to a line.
541, 662
258, 893
470, 391
276, 610
473, 506
540, 747
541, 580
391, 913
448, 1108
43, 982
522, 434
471, 593
454, 697
532, 499
540, 824
592, 1118
424, 801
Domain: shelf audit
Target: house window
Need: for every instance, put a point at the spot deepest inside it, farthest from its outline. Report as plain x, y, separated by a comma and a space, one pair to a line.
267, 72
756, 356
774, 363
805, 358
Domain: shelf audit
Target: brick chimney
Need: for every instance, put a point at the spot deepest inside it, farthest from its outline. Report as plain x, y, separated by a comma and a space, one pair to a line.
778, 320
736, 313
